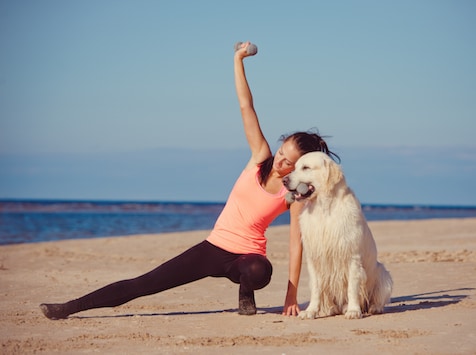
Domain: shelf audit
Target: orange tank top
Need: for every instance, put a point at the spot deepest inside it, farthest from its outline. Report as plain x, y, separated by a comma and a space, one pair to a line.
249, 211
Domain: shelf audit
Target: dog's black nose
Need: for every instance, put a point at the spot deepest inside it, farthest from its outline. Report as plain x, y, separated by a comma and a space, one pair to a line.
286, 180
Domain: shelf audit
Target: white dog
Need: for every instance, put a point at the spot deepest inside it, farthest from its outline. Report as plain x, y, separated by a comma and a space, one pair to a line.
345, 276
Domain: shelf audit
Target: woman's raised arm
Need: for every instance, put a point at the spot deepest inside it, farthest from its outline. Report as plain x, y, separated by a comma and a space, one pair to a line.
259, 146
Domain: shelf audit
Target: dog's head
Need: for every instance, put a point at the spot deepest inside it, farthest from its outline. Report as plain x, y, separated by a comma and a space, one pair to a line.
314, 173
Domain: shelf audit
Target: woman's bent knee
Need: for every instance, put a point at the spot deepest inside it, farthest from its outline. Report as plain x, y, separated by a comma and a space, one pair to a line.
255, 271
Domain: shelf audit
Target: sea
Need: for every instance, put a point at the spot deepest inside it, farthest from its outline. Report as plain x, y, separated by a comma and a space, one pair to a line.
32, 221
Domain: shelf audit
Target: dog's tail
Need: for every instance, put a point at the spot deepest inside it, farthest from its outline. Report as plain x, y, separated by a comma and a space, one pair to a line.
382, 290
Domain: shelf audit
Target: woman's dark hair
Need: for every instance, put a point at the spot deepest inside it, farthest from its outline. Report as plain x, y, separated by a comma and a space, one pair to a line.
306, 142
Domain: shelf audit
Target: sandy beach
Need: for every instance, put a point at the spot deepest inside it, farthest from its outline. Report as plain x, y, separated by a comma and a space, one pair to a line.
433, 307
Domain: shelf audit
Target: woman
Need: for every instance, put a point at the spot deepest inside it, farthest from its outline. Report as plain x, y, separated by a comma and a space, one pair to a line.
236, 247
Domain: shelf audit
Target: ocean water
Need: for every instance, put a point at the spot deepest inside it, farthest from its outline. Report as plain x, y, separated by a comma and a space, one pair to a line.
39, 221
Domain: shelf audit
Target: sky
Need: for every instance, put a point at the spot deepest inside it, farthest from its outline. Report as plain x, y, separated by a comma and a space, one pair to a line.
135, 100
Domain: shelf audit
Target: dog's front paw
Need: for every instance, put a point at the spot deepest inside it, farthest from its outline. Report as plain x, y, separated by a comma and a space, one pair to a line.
353, 314
308, 314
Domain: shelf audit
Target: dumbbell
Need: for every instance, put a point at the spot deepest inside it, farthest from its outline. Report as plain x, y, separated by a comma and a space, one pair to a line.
301, 189
251, 49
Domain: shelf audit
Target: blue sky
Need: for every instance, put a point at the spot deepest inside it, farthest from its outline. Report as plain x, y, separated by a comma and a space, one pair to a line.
88, 89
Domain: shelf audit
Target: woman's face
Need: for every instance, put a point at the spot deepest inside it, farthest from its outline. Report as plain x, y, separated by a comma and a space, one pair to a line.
285, 158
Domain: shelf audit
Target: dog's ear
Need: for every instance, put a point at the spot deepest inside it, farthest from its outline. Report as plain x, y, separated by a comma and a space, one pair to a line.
334, 174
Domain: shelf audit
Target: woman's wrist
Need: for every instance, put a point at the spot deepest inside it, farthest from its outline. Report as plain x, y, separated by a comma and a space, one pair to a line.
239, 56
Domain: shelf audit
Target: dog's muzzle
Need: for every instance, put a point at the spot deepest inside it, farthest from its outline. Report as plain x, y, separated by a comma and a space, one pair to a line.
301, 192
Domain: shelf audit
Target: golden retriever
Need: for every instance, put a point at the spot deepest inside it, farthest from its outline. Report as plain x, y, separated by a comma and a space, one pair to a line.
341, 255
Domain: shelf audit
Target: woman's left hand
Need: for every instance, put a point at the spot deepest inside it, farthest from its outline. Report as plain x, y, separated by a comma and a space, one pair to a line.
291, 308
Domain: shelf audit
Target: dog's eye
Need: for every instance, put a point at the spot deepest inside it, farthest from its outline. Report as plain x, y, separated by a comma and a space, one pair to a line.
305, 167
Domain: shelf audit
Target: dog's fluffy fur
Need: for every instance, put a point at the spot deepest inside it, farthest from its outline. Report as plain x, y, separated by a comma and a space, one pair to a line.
341, 255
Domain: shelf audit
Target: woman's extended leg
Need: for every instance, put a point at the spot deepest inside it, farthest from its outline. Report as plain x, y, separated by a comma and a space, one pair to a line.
200, 261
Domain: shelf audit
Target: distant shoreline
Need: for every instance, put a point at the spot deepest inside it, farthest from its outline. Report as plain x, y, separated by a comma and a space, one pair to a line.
31, 221
172, 202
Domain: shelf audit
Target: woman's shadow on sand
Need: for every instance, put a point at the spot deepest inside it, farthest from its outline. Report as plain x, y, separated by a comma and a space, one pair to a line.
399, 304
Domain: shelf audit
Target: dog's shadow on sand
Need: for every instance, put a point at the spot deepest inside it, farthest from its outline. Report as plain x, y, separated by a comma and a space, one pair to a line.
414, 302
399, 304
427, 300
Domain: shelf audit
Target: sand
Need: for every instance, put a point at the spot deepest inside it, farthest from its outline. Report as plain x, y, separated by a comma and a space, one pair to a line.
433, 307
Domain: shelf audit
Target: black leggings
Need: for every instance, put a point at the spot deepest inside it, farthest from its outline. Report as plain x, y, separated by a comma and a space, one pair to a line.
251, 271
